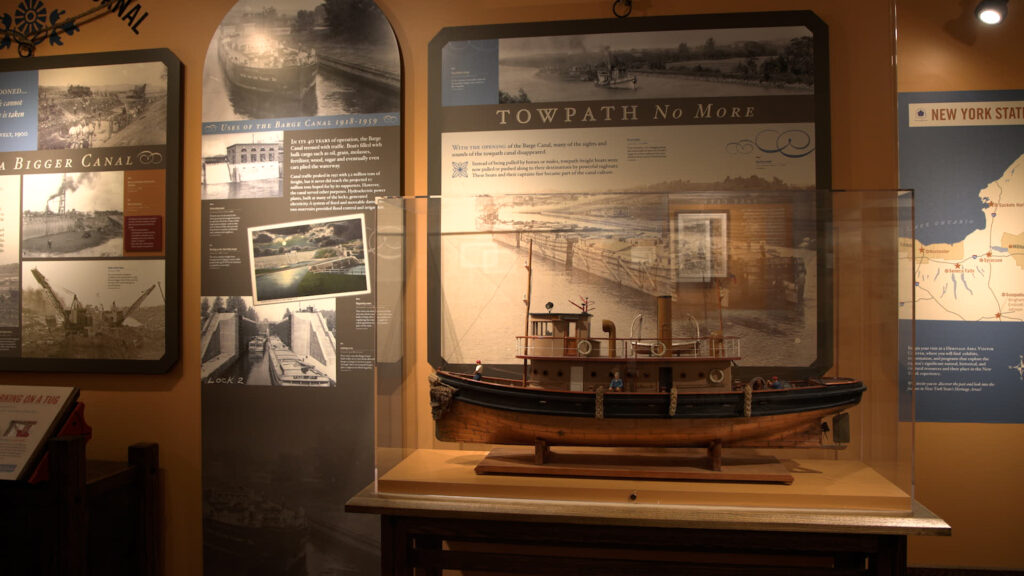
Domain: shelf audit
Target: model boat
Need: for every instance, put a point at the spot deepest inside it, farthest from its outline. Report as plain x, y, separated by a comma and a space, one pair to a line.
582, 390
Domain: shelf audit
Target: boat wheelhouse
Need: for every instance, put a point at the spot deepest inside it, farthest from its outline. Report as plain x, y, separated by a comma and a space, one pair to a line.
561, 354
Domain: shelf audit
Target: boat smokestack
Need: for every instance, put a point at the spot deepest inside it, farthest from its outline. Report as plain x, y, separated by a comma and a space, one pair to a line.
609, 327
665, 321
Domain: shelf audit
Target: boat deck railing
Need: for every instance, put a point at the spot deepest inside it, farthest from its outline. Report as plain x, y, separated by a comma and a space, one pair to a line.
628, 348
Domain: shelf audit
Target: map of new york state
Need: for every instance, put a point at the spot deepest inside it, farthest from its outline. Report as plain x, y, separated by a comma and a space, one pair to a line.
980, 278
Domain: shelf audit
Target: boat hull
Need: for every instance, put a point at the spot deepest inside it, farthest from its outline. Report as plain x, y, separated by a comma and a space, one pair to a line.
286, 369
501, 414
296, 80
272, 70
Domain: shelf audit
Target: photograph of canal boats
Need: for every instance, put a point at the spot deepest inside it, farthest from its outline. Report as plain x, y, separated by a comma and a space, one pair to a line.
287, 344
103, 106
657, 64
314, 258
301, 58
274, 494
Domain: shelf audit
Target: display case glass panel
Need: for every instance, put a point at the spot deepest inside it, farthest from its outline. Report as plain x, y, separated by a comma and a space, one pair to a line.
714, 347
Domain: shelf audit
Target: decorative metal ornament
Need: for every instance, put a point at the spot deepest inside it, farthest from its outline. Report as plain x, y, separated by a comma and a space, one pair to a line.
32, 24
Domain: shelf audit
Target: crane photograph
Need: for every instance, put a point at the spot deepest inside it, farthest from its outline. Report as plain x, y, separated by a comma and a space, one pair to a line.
93, 309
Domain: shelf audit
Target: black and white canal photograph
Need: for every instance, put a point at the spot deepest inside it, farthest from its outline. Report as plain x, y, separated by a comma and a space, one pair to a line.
290, 344
73, 215
657, 64
103, 106
301, 58
93, 309
246, 165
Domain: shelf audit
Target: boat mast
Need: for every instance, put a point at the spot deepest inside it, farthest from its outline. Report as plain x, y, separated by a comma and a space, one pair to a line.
529, 294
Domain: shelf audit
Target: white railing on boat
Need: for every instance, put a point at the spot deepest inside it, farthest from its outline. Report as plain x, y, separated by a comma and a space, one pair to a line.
628, 348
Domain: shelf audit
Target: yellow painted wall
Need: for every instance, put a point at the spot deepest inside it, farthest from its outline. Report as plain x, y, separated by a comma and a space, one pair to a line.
965, 472
970, 474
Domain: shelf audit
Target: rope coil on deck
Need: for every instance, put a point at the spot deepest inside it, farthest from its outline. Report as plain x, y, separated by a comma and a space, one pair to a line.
441, 397
748, 392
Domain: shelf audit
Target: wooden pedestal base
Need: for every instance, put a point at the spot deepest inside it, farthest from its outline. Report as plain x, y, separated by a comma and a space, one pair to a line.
637, 464
432, 534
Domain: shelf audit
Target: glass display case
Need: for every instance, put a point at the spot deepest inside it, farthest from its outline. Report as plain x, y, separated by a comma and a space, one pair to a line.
736, 348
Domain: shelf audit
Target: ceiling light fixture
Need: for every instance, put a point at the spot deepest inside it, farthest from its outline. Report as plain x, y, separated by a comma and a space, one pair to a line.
991, 11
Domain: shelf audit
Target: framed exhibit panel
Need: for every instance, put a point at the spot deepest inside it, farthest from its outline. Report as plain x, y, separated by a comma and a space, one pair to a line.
90, 209
730, 109
639, 393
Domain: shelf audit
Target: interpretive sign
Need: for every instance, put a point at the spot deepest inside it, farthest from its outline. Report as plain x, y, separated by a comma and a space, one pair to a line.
301, 134
29, 416
963, 155
683, 156
90, 212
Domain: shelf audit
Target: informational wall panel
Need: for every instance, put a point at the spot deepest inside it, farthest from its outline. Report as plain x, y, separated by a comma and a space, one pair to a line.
705, 138
90, 212
963, 155
301, 132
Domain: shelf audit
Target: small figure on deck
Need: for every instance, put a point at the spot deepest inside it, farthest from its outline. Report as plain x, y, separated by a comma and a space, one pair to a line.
616, 383
478, 372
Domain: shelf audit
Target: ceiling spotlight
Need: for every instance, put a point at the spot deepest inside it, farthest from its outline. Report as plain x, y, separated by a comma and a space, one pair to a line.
991, 11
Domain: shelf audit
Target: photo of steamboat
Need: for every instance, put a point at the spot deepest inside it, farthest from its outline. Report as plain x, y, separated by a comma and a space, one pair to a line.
287, 369
614, 75
259, 63
581, 390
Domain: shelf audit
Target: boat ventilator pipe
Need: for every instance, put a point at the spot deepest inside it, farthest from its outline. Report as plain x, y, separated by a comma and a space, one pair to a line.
609, 327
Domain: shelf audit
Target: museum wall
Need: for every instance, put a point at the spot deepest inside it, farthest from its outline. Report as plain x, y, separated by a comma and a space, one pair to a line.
967, 473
